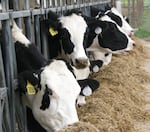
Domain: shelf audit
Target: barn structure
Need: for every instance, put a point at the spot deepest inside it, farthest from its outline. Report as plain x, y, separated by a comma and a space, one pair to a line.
27, 14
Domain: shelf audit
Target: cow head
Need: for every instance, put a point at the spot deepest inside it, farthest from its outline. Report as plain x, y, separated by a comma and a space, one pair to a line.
70, 30
53, 105
115, 15
108, 35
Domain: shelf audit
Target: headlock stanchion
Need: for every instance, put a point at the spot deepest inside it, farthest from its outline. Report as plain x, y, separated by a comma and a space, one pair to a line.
27, 14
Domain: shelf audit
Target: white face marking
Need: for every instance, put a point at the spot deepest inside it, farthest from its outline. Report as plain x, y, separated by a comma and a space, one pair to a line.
87, 91
81, 100
76, 26
98, 30
19, 36
65, 90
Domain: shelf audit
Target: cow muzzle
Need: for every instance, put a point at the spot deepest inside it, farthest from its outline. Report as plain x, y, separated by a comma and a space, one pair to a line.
81, 63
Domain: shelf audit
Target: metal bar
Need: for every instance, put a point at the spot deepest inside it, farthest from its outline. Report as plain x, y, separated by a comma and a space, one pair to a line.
27, 21
44, 45
4, 16
37, 31
18, 14
9, 69
2, 76
5, 116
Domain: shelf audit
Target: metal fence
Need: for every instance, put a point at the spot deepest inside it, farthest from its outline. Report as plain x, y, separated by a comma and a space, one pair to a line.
134, 10
27, 14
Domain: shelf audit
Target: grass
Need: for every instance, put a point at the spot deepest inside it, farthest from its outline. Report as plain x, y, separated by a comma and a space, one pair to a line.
144, 27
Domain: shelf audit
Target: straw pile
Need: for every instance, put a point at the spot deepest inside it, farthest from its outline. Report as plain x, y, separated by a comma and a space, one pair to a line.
118, 104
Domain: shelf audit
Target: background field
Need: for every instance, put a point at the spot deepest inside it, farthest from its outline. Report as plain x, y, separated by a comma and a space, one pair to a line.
144, 26
139, 14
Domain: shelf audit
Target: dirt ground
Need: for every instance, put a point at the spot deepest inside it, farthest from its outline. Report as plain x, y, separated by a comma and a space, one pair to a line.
122, 103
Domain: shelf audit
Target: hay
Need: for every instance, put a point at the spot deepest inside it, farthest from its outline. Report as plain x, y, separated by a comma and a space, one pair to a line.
119, 102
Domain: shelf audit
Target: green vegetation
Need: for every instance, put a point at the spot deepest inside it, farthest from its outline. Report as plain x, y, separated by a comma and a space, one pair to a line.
144, 27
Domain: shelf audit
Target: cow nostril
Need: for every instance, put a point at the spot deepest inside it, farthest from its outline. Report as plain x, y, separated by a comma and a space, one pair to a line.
131, 34
82, 62
134, 44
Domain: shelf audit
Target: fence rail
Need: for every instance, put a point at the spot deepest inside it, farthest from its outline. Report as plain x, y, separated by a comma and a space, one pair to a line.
12, 111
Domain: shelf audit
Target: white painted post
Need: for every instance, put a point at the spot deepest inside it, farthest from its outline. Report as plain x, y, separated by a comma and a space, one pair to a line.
118, 6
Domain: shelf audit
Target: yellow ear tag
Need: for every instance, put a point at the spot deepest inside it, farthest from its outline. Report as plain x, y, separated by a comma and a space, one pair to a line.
30, 88
52, 31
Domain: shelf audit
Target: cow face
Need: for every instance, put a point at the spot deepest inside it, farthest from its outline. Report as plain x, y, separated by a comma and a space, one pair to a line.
54, 105
115, 15
118, 18
71, 31
114, 37
109, 36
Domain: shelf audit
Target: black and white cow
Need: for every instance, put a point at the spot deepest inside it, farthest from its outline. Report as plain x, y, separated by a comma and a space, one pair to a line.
65, 35
115, 15
105, 38
53, 87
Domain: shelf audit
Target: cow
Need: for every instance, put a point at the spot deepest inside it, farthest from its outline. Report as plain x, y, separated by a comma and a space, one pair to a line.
51, 83
105, 38
115, 15
65, 36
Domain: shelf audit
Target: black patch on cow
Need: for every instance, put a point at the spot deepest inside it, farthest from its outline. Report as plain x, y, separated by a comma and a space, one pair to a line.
25, 76
92, 83
28, 58
67, 45
115, 18
53, 16
94, 63
59, 41
112, 38
90, 33
46, 98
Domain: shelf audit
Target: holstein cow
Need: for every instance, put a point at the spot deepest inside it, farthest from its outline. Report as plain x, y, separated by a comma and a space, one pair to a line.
115, 15
65, 36
50, 88
105, 38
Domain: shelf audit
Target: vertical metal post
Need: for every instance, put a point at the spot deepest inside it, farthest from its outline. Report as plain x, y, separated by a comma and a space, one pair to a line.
27, 20
16, 8
37, 32
44, 42
9, 69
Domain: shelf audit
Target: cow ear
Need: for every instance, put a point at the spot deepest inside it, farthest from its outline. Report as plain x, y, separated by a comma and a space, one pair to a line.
88, 86
98, 30
27, 81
